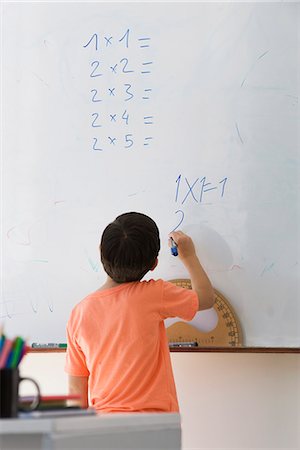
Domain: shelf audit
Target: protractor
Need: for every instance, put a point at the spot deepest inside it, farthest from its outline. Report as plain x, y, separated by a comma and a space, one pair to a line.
227, 333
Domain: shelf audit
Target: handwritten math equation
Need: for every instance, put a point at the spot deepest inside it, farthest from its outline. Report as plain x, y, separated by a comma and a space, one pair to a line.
201, 191
120, 70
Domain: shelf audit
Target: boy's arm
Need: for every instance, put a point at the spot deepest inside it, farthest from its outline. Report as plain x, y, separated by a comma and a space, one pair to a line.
199, 280
79, 386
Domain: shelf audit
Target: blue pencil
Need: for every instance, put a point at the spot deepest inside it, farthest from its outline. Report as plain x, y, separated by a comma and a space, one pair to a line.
2, 340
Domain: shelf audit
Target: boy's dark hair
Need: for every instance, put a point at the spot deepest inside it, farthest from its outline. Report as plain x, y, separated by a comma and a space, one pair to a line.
129, 247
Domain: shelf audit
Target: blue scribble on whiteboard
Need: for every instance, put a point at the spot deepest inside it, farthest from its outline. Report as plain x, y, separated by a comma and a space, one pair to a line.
238, 132
252, 67
95, 266
267, 268
196, 189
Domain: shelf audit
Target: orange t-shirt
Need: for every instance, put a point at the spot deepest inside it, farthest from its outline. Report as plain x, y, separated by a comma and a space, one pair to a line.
117, 338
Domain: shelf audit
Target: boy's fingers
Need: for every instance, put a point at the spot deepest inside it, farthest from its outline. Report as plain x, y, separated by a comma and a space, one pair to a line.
176, 234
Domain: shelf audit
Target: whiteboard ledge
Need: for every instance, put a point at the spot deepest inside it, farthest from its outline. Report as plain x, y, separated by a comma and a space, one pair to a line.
201, 350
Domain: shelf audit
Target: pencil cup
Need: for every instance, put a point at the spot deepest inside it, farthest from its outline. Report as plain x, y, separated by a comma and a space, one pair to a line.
9, 393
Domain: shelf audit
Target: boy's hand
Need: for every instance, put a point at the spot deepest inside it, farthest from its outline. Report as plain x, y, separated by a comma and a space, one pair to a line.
185, 245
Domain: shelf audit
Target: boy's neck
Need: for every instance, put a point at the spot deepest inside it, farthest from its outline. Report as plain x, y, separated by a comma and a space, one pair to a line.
110, 283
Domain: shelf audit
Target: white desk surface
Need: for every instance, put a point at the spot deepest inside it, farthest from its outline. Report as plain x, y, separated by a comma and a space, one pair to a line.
108, 431
81, 424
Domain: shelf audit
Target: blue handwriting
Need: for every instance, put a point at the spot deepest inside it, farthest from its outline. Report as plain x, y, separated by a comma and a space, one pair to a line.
197, 190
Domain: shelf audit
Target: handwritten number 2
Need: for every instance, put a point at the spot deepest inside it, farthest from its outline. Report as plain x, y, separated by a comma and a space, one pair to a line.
94, 72
95, 145
125, 60
181, 218
94, 124
95, 92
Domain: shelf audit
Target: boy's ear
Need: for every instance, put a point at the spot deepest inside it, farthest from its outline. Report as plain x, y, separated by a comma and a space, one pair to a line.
154, 265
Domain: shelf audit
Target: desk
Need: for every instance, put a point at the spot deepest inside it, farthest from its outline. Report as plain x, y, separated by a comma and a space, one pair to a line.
111, 431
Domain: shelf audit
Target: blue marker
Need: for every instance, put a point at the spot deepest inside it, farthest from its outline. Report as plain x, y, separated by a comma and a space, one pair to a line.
48, 346
174, 248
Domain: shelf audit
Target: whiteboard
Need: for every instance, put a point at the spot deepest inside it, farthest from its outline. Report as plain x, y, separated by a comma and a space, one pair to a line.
187, 112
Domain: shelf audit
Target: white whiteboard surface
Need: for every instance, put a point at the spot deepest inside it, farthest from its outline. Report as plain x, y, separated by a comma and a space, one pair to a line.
187, 112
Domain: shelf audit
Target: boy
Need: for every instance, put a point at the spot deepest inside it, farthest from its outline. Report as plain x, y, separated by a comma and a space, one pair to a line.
118, 354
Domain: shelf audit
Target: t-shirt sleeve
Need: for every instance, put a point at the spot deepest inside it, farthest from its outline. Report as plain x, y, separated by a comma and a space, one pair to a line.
178, 302
75, 359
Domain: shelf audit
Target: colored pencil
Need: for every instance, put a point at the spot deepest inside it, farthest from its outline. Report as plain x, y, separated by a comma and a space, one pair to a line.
6, 350
2, 340
23, 353
17, 349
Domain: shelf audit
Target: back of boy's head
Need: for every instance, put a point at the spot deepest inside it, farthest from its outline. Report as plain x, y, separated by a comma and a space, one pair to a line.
129, 247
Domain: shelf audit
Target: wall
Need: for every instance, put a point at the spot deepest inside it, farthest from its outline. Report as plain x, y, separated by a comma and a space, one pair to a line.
228, 401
